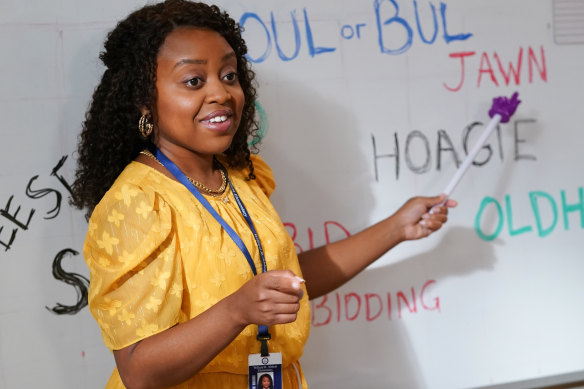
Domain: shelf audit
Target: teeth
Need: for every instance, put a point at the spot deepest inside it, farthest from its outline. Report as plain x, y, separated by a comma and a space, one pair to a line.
218, 119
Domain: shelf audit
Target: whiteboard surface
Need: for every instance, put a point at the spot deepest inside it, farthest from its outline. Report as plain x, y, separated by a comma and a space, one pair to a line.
365, 115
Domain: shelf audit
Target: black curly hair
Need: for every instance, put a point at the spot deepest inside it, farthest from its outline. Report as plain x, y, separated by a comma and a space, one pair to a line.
110, 138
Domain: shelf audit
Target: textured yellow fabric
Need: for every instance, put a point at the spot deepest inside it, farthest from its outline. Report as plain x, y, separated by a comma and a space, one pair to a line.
158, 258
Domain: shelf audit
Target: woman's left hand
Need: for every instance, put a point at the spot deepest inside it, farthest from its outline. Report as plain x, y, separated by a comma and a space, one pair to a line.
420, 216
328, 267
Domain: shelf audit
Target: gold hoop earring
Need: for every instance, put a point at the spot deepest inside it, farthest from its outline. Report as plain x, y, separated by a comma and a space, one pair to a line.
144, 126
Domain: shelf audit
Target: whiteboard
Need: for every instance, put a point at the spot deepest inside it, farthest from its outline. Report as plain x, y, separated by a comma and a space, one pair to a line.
364, 104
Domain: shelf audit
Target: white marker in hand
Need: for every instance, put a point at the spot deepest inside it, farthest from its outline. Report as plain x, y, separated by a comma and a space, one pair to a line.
501, 111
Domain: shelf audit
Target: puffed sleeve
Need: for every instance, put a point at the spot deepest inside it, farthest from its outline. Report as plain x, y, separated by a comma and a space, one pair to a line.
136, 273
264, 175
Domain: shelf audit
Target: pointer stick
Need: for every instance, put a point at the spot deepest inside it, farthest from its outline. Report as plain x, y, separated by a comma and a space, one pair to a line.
501, 111
471, 155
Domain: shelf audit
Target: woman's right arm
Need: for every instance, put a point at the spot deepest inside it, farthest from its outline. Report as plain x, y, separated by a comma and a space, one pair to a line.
176, 354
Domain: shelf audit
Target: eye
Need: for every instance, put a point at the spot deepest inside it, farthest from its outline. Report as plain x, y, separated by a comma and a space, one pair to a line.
231, 76
194, 82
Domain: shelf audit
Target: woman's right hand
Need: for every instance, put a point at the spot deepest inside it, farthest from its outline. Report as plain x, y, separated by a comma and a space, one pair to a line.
269, 298
173, 355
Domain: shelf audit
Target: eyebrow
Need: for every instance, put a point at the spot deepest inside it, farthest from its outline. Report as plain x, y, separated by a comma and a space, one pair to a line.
203, 61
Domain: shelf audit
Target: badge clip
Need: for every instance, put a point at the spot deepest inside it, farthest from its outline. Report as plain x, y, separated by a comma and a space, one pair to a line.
263, 338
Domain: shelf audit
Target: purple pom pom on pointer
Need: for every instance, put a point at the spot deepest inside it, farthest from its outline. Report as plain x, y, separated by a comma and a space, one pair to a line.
504, 107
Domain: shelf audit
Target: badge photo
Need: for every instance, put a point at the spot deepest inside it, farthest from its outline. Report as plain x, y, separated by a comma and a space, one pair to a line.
265, 372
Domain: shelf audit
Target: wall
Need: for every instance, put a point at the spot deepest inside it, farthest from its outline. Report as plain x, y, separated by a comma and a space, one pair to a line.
366, 104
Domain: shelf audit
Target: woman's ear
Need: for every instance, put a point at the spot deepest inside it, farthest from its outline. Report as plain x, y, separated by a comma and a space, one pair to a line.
144, 110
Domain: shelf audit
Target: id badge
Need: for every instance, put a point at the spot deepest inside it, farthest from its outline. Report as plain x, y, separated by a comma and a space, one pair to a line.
265, 372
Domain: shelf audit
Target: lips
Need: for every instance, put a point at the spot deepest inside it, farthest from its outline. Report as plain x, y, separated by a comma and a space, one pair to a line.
218, 120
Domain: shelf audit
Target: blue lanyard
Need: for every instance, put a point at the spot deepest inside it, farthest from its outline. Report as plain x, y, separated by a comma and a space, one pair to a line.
263, 334
182, 178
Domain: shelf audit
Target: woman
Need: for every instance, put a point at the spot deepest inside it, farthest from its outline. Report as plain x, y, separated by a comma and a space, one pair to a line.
265, 382
175, 298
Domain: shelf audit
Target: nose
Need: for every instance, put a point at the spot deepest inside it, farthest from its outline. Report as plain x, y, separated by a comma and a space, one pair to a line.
217, 92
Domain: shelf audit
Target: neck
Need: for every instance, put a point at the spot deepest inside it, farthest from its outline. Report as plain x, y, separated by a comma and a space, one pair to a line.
194, 165
199, 167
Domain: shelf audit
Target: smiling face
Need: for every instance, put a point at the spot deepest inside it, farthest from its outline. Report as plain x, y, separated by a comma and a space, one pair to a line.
266, 382
199, 99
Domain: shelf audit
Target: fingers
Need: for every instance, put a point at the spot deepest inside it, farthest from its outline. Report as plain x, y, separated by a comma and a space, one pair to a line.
271, 298
433, 222
284, 309
443, 201
441, 204
284, 281
437, 215
275, 315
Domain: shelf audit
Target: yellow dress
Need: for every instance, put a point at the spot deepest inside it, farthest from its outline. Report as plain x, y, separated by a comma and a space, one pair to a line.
157, 258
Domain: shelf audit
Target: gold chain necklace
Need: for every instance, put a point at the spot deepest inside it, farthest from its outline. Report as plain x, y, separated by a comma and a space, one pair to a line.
199, 185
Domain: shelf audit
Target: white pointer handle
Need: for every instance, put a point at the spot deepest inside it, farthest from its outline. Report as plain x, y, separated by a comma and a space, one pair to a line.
471, 156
